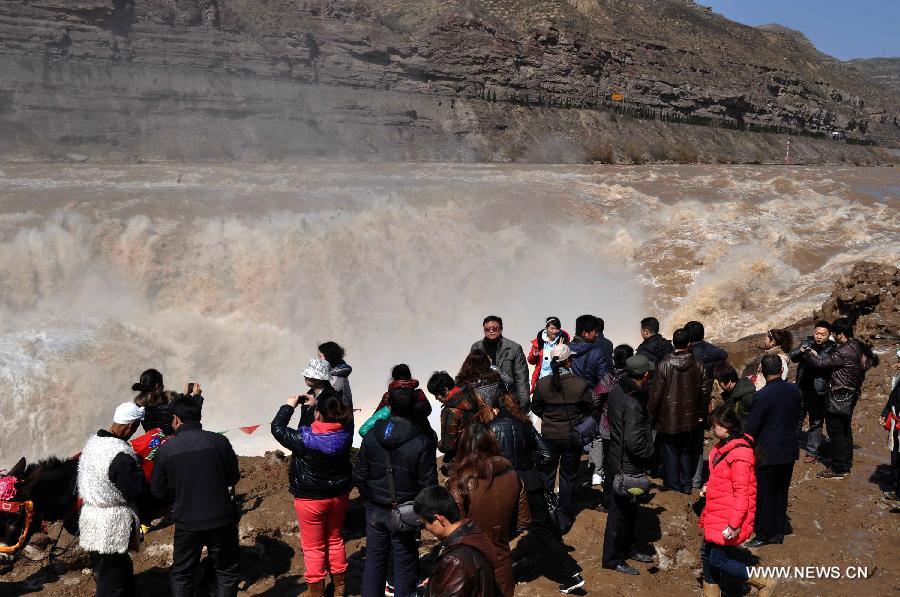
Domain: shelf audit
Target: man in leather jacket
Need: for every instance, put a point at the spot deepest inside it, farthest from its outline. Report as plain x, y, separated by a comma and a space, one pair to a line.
678, 404
465, 562
848, 364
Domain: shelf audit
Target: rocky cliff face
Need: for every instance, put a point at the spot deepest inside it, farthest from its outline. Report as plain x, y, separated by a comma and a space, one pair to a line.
449, 79
885, 71
869, 295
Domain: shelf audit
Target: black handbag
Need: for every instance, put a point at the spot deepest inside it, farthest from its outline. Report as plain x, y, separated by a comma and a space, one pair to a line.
561, 520
634, 485
841, 403
403, 518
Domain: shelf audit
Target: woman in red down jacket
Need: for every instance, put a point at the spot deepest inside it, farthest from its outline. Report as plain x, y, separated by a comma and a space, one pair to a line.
728, 517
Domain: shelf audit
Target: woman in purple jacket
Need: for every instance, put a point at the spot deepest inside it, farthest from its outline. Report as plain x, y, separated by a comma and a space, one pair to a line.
320, 481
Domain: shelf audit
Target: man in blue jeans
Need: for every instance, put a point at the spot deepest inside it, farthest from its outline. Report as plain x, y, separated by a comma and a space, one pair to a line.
411, 451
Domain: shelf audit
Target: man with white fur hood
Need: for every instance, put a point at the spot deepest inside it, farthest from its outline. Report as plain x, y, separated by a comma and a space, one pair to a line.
110, 481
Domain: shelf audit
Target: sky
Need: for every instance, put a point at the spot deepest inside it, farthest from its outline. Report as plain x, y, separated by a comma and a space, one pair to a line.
842, 28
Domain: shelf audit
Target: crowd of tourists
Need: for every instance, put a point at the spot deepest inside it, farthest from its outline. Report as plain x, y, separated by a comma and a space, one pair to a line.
512, 444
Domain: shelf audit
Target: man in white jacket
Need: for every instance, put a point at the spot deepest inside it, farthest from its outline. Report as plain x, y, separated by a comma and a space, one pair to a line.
110, 481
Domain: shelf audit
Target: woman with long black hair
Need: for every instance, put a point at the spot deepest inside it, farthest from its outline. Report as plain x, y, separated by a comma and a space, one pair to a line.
488, 491
157, 401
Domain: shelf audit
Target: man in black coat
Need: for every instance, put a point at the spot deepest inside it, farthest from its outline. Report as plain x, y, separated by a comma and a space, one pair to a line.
654, 346
630, 449
813, 384
413, 467
198, 469
773, 426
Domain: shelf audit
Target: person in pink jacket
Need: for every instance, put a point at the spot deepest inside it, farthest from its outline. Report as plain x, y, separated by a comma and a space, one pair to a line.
727, 519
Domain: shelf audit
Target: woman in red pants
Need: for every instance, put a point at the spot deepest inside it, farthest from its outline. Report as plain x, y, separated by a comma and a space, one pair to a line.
320, 481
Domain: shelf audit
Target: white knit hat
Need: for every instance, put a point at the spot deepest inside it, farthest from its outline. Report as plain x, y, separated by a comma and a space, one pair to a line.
317, 369
127, 413
562, 352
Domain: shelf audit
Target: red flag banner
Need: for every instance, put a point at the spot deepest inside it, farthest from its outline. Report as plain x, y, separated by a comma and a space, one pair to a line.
250, 429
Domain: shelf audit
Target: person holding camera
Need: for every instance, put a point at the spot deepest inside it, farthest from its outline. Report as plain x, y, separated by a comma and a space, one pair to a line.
321, 477
847, 365
397, 459
813, 384
157, 401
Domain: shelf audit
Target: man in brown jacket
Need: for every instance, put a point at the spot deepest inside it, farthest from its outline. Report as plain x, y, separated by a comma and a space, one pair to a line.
465, 563
678, 405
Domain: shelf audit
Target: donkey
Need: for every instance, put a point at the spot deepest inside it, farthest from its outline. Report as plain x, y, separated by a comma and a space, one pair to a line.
51, 487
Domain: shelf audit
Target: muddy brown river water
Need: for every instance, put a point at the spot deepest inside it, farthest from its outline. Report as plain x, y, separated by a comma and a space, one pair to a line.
231, 274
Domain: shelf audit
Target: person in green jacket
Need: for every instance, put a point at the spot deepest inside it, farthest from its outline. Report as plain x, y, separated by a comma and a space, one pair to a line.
737, 392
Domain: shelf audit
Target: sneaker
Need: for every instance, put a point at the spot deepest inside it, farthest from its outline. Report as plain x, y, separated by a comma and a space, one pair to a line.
596, 480
388, 590
576, 582
809, 459
830, 474
891, 496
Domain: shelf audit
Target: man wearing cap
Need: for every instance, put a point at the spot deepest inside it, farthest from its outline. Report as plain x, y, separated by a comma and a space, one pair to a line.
110, 481
561, 399
197, 468
630, 449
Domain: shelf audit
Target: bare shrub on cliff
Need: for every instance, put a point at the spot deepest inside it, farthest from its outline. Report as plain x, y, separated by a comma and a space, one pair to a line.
660, 152
684, 154
599, 151
634, 152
